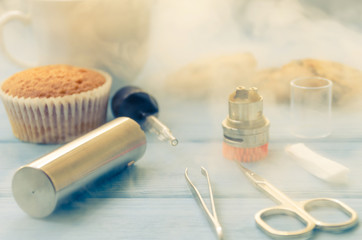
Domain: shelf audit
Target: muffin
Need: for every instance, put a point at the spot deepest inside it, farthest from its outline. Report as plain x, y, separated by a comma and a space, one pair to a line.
55, 103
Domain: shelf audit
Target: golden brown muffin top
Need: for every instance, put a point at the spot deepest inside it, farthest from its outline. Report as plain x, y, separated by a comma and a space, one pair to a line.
52, 81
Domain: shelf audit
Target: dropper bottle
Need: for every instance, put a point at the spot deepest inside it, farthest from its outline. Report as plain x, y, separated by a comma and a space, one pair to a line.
133, 102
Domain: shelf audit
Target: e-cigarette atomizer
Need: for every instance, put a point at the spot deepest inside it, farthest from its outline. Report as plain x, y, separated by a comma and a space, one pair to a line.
246, 129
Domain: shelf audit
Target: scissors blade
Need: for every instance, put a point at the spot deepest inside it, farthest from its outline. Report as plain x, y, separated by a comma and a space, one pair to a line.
268, 188
252, 176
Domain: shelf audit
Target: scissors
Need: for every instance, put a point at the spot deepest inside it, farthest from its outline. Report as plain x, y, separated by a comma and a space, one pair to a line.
298, 210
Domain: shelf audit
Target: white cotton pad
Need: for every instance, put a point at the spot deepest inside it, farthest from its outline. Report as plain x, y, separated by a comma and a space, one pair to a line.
318, 165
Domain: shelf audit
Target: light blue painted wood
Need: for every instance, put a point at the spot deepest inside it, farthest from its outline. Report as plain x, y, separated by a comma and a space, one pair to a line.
151, 199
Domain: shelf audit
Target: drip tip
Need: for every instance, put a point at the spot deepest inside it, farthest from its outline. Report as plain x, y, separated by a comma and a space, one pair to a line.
246, 129
133, 102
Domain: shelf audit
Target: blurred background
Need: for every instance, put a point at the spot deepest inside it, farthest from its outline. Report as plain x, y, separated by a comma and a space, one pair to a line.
197, 49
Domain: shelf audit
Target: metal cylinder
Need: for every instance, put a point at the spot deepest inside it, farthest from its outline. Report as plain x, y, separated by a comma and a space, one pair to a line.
42, 185
246, 126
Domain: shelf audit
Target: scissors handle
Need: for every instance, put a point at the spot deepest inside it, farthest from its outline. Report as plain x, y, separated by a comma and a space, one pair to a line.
333, 203
301, 213
303, 233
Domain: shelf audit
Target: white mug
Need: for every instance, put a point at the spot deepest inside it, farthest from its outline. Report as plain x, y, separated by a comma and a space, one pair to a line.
106, 34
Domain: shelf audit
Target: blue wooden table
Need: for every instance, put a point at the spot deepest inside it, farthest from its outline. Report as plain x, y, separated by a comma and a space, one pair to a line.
151, 199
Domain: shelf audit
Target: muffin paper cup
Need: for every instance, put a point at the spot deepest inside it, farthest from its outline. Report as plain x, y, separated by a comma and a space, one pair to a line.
57, 119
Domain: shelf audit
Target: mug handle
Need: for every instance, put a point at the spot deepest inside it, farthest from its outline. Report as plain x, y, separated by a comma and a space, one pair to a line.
4, 19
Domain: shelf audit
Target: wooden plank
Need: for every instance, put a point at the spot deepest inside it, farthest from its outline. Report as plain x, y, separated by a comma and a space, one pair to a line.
138, 218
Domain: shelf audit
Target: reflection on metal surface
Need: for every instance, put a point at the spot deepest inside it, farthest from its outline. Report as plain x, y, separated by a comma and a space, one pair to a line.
43, 184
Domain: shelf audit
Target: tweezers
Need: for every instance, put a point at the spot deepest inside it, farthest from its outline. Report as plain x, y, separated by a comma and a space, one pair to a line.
212, 217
